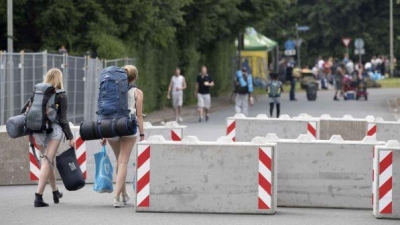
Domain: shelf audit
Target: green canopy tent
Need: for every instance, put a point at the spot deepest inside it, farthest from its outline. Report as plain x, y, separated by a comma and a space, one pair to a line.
254, 41
255, 52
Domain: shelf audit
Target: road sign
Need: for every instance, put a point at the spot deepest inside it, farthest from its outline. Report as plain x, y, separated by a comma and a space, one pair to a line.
359, 51
298, 42
290, 45
303, 28
346, 41
359, 43
290, 52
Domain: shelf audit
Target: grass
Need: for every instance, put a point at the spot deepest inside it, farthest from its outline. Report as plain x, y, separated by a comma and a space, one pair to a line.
390, 83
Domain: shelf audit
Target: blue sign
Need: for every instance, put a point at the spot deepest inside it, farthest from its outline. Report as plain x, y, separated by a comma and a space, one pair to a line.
290, 45
303, 28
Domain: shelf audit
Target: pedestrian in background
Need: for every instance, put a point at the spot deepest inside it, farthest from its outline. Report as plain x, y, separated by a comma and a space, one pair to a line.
243, 89
274, 90
177, 85
202, 92
340, 73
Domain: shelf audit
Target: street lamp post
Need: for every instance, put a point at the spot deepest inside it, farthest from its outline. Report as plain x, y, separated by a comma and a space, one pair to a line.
10, 26
298, 46
391, 39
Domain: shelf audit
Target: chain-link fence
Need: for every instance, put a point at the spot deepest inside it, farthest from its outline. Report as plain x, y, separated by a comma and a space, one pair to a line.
19, 72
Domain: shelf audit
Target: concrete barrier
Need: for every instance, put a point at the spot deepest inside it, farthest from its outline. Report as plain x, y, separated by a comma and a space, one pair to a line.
347, 127
241, 128
171, 131
14, 166
384, 130
212, 177
386, 183
324, 173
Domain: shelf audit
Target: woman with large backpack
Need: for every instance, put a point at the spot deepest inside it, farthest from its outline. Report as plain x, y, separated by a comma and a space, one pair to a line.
122, 146
48, 141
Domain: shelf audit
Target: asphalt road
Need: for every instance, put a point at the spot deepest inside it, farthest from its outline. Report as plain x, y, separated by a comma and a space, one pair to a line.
87, 207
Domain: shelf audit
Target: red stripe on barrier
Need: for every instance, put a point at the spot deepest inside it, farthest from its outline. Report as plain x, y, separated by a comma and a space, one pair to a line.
311, 129
143, 182
372, 131
33, 176
84, 175
387, 210
231, 127
82, 159
33, 160
174, 136
145, 202
262, 205
79, 142
385, 163
385, 188
264, 184
264, 159
142, 158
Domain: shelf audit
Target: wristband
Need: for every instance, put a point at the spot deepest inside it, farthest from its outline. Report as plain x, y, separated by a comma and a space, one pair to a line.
141, 135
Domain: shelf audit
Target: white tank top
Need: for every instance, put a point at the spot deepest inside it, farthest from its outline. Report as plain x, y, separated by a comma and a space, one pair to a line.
177, 82
132, 101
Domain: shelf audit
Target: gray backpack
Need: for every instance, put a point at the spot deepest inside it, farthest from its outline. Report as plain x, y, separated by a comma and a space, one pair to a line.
43, 111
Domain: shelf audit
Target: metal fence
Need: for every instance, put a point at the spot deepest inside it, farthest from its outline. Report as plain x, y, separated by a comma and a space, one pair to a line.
19, 72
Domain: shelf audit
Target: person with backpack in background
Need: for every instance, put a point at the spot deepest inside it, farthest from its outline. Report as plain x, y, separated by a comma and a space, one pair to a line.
243, 89
202, 92
122, 146
47, 120
274, 90
177, 85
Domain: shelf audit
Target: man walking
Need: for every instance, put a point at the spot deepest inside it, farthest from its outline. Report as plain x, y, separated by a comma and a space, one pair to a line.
203, 84
177, 85
243, 90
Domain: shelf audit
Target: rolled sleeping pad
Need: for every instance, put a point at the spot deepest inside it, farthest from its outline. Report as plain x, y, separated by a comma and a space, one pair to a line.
107, 128
16, 126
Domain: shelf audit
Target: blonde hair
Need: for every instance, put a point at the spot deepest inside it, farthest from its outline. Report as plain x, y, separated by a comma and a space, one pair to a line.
131, 72
54, 77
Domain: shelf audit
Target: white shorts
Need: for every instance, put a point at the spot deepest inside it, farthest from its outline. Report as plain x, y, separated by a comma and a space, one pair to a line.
177, 99
204, 101
43, 139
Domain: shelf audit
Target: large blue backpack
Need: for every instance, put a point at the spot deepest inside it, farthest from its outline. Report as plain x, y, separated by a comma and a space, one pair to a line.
113, 101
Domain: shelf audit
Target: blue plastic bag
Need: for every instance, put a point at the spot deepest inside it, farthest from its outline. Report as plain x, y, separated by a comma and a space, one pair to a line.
103, 181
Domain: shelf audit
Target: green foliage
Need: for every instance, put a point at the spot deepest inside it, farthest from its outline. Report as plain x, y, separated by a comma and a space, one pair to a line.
160, 34
330, 21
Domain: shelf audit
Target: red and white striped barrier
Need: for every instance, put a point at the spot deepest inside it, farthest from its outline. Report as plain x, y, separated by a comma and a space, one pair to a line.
34, 166
372, 130
143, 176
80, 145
386, 183
231, 129
170, 131
312, 130
265, 178
176, 134
206, 177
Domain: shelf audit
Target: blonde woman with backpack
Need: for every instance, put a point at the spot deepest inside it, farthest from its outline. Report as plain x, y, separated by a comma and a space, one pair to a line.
48, 141
122, 146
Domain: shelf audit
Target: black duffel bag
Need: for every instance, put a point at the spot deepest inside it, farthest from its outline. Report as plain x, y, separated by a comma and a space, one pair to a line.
70, 172
107, 128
